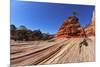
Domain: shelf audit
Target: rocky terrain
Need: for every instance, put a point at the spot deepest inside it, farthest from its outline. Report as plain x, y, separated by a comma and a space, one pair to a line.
52, 52
68, 46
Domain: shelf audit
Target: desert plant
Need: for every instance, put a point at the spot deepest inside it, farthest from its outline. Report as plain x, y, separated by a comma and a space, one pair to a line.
12, 27
51, 40
29, 35
45, 36
37, 35
12, 31
21, 35
75, 13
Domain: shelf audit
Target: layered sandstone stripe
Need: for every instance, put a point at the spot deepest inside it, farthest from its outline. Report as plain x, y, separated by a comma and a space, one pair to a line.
59, 51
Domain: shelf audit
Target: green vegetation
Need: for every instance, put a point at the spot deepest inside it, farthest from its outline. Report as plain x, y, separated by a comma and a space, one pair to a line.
51, 40
75, 13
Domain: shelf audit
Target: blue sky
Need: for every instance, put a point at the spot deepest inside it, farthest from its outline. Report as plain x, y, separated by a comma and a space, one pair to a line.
47, 17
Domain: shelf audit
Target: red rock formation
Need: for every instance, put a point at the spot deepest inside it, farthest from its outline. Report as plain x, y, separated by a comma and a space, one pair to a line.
90, 30
70, 28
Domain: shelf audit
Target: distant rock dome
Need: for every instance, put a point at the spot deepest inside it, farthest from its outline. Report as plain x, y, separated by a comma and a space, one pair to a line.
12, 27
21, 28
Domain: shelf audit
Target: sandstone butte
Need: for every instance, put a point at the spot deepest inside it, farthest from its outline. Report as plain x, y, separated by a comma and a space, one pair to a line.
71, 28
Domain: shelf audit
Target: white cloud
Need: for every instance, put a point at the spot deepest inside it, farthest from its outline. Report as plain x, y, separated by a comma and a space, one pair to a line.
85, 2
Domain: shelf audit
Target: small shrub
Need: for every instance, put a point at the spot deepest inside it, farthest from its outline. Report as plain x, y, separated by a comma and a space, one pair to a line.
52, 40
